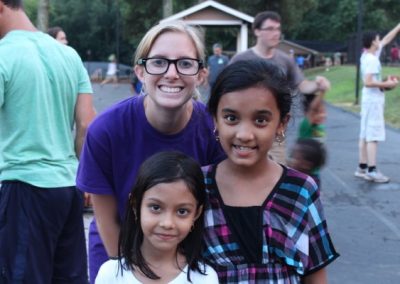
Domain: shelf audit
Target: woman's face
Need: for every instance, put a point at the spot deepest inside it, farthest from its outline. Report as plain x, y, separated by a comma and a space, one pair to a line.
62, 37
170, 90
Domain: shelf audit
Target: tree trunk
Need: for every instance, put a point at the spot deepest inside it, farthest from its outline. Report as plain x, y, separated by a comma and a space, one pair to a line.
43, 15
167, 8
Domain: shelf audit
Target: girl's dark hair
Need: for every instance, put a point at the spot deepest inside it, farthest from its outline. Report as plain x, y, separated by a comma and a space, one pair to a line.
312, 151
252, 73
163, 167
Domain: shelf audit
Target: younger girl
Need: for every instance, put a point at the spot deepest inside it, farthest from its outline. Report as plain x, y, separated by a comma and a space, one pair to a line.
160, 239
264, 222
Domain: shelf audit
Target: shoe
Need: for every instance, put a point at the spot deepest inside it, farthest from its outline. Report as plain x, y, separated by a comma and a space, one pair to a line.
377, 177
361, 173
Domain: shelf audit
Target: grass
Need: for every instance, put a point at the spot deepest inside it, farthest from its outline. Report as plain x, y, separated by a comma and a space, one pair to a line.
342, 93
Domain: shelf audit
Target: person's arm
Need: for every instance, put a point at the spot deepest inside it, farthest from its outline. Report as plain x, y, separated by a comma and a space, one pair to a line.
314, 108
319, 84
107, 221
390, 35
390, 83
318, 277
84, 114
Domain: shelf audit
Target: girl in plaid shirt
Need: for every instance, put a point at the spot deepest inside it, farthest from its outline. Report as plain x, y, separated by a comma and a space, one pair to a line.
264, 222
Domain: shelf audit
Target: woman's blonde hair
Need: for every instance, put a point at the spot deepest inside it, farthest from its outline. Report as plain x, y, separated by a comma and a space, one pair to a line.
195, 34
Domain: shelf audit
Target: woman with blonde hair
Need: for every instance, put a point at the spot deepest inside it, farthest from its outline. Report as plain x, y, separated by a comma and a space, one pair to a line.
169, 61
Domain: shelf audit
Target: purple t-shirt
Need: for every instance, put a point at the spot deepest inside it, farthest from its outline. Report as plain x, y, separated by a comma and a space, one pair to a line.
121, 138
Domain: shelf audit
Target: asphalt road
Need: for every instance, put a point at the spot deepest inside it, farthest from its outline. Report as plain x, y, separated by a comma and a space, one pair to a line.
363, 218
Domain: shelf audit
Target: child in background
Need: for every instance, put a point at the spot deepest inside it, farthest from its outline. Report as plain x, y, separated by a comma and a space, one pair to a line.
312, 125
162, 231
264, 222
308, 156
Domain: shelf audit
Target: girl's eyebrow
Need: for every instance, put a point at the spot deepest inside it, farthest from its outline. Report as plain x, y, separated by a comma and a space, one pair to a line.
261, 111
153, 199
227, 110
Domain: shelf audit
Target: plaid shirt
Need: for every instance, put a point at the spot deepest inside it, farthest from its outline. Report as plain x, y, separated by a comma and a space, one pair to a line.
296, 241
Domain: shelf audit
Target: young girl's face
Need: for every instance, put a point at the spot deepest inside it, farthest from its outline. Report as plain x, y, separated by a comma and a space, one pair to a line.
168, 212
171, 89
247, 122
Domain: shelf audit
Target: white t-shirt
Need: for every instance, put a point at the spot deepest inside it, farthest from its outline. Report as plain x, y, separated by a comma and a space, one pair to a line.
110, 273
370, 64
112, 68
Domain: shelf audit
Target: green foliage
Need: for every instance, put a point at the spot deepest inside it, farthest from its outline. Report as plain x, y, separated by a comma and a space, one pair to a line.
336, 20
30, 7
93, 24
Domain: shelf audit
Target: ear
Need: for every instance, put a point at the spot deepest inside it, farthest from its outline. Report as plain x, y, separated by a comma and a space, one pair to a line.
283, 124
201, 77
215, 122
198, 213
139, 71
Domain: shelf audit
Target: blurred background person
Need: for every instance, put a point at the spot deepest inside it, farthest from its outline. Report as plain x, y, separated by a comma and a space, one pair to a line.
58, 34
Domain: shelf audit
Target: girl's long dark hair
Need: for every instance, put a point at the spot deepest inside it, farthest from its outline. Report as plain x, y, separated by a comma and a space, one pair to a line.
163, 167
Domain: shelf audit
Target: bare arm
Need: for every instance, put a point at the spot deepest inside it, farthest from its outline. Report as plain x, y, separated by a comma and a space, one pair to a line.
318, 277
371, 83
319, 84
390, 35
84, 114
106, 213
315, 107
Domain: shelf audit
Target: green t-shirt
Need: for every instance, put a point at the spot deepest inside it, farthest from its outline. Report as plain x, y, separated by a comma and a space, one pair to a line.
40, 80
308, 130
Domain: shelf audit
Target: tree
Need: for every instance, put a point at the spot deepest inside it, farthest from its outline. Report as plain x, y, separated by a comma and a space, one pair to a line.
168, 6
43, 15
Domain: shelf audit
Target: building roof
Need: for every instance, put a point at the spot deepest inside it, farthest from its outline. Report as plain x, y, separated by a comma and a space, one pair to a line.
298, 48
231, 16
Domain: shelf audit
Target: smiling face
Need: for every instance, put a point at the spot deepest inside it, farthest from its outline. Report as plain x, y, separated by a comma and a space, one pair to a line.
247, 122
170, 90
168, 212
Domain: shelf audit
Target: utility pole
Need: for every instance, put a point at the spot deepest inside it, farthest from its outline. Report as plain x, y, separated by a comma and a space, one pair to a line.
358, 47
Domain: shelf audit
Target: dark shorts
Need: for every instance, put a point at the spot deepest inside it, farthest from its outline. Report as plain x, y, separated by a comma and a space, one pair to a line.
42, 236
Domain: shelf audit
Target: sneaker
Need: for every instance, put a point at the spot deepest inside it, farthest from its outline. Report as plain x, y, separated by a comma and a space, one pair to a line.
377, 177
361, 173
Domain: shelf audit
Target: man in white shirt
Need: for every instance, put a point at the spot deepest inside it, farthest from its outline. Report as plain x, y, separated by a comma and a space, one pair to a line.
372, 128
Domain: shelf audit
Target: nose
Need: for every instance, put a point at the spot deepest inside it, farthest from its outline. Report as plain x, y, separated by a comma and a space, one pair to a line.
172, 71
167, 221
244, 132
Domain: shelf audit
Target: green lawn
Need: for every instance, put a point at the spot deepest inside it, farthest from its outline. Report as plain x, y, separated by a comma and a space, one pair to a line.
342, 93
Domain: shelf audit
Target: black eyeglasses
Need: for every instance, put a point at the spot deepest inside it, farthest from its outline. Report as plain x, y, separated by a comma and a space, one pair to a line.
271, 29
159, 66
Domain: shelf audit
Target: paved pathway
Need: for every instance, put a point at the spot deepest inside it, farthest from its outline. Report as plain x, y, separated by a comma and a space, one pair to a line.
364, 218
